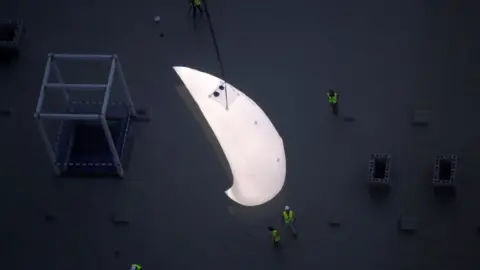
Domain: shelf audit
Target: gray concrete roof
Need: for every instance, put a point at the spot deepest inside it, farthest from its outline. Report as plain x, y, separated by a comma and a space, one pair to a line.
385, 60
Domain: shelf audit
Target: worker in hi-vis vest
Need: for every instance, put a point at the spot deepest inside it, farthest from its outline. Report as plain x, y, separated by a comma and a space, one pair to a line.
135, 267
195, 5
275, 235
333, 101
289, 219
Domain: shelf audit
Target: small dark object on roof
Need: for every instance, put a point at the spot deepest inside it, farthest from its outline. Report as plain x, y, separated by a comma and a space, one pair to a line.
120, 218
5, 112
407, 224
334, 219
143, 115
50, 217
333, 222
349, 119
421, 117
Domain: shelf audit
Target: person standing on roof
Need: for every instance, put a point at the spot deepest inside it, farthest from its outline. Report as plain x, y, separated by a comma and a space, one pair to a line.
135, 267
289, 220
196, 5
275, 235
333, 101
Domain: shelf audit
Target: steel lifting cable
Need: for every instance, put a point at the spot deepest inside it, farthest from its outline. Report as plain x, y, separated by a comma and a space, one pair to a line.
217, 50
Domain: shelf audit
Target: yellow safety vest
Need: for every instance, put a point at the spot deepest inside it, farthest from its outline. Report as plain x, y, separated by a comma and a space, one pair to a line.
275, 236
197, 2
332, 99
288, 216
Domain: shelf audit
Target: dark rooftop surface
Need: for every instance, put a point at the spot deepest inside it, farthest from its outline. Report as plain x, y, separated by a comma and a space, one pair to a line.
385, 58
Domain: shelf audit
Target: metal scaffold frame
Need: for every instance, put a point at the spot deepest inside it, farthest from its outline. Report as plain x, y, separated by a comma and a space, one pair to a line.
52, 67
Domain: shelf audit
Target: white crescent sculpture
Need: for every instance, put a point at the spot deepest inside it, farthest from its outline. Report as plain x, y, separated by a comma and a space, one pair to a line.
251, 144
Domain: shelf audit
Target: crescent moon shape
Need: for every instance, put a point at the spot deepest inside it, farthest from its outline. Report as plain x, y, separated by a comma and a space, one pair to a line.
251, 144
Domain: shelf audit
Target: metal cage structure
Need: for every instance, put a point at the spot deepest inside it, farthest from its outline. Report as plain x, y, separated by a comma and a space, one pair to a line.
85, 126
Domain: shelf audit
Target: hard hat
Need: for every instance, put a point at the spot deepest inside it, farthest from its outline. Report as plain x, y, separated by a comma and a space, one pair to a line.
287, 208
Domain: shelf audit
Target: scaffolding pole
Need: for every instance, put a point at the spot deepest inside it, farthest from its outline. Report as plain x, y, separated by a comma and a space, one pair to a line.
217, 49
125, 88
65, 116
108, 89
46, 76
60, 79
76, 86
92, 57
112, 147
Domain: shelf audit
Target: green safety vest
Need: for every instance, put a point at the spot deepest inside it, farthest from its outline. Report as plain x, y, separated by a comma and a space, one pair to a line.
196, 3
288, 216
275, 236
332, 99
136, 267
